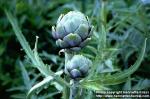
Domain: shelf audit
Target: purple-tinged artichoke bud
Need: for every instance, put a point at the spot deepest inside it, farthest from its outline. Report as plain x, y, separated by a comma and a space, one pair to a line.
72, 31
78, 66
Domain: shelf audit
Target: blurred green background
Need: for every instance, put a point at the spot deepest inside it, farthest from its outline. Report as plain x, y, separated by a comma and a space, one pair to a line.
128, 20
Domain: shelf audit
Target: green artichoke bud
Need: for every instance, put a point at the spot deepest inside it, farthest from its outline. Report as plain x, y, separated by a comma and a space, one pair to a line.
72, 31
78, 66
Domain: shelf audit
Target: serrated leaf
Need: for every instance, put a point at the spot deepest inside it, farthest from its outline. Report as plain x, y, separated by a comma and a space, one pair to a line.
127, 85
57, 86
38, 86
48, 96
41, 85
94, 86
134, 67
92, 49
52, 57
103, 81
142, 84
118, 77
19, 35
36, 60
88, 55
25, 76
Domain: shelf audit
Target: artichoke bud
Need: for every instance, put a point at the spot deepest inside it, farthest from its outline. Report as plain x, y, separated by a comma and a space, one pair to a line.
78, 66
72, 31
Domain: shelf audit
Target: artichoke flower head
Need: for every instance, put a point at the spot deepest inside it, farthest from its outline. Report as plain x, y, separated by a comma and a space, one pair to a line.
78, 66
72, 31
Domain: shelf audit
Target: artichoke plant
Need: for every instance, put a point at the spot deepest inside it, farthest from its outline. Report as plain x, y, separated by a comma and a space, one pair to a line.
78, 66
72, 31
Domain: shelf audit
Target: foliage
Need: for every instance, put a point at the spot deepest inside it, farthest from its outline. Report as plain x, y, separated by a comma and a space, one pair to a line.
119, 49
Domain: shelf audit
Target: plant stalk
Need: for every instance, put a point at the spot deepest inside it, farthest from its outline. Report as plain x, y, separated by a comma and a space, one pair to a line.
74, 89
68, 56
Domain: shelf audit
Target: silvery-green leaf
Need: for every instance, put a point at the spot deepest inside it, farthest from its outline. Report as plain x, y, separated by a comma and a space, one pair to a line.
118, 77
82, 30
142, 84
134, 67
94, 86
127, 85
72, 39
57, 86
41, 84
92, 49
61, 43
108, 63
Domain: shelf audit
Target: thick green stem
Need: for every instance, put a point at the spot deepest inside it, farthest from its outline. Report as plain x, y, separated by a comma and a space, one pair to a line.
68, 56
66, 90
74, 83
74, 89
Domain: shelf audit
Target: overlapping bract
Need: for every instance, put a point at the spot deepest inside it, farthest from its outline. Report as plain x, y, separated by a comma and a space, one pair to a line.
78, 66
72, 31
